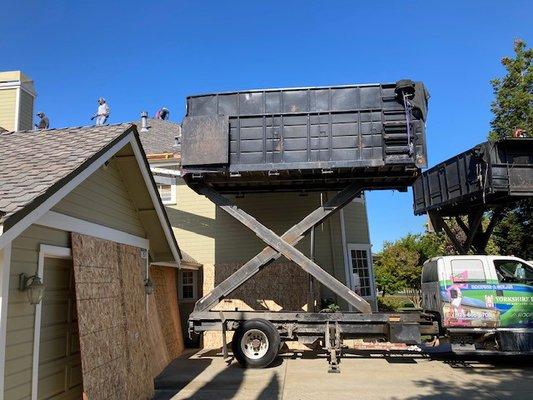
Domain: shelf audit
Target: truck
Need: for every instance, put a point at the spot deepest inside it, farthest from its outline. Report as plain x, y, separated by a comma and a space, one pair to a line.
481, 303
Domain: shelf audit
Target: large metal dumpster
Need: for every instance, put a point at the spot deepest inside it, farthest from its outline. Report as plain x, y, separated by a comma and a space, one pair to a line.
491, 173
312, 138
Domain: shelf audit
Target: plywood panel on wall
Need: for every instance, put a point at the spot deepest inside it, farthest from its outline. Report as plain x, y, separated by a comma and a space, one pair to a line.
115, 348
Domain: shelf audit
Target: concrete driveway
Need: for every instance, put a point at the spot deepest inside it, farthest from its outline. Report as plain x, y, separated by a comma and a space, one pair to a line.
205, 375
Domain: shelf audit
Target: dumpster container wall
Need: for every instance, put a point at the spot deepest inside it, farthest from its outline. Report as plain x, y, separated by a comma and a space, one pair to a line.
305, 129
491, 172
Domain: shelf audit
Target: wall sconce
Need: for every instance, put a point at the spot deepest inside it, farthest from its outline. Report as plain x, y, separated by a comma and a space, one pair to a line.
33, 286
148, 286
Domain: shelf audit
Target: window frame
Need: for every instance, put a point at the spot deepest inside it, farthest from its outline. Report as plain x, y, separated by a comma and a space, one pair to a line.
194, 286
371, 280
165, 180
486, 275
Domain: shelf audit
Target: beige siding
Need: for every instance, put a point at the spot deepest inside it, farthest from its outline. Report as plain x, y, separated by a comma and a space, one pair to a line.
356, 222
20, 314
8, 100
103, 199
26, 111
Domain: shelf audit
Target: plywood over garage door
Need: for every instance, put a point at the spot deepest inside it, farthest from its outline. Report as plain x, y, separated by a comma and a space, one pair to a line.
115, 348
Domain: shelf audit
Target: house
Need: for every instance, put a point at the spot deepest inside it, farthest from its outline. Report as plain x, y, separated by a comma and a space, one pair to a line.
84, 241
17, 95
221, 244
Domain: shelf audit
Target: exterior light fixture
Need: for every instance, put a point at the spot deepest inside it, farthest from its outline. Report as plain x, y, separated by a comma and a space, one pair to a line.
148, 286
33, 286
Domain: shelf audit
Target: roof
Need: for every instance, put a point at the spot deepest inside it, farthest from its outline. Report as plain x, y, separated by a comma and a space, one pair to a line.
37, 166
160, 137
33, 162
188, 259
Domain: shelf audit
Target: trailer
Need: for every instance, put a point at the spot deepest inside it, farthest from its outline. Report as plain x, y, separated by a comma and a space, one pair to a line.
344, 138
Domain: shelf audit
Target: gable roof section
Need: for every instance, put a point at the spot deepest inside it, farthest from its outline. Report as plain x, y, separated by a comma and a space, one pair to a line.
160, 137
37, 167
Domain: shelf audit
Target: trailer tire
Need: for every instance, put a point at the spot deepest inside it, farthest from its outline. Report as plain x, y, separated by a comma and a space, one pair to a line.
256, 343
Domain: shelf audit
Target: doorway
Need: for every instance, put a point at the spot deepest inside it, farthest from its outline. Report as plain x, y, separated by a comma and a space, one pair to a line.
59, 374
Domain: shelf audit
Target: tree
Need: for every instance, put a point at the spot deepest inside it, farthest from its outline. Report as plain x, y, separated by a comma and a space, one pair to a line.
513, 109
513, 95
399, 264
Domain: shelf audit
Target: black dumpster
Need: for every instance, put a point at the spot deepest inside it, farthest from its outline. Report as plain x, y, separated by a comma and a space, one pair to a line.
314, 138
491, 173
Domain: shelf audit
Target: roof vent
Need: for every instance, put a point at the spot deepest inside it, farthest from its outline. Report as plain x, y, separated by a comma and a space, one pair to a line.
144, 121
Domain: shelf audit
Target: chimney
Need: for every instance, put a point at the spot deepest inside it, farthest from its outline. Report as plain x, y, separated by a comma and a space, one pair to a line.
144, 121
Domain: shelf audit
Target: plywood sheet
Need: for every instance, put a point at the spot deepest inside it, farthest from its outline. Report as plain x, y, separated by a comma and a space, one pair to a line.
114, 341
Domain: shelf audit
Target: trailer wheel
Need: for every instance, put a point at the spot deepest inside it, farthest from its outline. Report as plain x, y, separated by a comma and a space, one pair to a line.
256, 343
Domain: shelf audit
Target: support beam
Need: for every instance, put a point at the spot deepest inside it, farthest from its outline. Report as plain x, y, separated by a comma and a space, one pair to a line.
283, 247
268, 254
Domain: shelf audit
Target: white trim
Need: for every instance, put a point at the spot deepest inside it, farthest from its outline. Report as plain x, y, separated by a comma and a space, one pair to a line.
17, 109
45, 251
5, 269
368, 248
173, 194
165, 171
155, 199
36, 214
347, 269
64, 222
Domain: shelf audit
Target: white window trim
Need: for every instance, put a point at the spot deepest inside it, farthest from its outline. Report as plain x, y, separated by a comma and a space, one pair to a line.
194, 286
45, 251
173, 197
368, 248
5, 269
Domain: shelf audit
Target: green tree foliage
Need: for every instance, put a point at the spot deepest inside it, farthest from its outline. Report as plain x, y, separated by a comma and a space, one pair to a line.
513, 109
513, 103
399, 265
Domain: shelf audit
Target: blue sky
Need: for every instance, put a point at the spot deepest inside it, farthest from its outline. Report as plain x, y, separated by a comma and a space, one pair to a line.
142, 55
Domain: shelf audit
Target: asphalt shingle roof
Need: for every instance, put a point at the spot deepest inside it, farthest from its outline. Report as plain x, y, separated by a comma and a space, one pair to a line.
160, 137
32, 163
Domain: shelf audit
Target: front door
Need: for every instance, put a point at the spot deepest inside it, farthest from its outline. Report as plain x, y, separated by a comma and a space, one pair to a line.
60, 374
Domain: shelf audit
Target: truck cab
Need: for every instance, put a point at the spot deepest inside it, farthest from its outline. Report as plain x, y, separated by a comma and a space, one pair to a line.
476, 291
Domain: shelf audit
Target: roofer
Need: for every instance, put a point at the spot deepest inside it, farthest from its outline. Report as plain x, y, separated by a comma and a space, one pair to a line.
44, 122
162, 113
102, 113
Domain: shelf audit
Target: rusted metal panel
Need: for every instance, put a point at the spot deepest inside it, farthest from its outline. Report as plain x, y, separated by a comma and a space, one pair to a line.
206, 142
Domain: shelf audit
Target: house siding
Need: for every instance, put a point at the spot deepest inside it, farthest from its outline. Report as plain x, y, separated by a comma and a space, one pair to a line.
20, 314
103, 199
8, 101
26, 111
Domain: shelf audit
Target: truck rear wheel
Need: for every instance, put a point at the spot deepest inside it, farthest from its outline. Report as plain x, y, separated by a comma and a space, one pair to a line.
256, 343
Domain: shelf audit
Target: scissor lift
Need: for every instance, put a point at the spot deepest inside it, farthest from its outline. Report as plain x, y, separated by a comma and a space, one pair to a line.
344, 139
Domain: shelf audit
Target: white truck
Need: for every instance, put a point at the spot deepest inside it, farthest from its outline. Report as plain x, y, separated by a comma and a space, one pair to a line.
481, 302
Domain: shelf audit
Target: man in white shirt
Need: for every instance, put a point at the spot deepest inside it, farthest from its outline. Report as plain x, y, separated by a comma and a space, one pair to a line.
103, 112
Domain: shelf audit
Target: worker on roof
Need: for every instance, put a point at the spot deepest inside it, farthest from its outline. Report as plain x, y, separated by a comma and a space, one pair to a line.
102, 113
44, 122
162, 113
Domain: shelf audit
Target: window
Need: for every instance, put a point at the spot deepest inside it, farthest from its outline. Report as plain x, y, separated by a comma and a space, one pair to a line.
167, 193
187, 284
513, 271
360, 267
466, 270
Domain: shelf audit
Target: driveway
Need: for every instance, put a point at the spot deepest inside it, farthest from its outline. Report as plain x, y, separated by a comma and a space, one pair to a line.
205, 375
